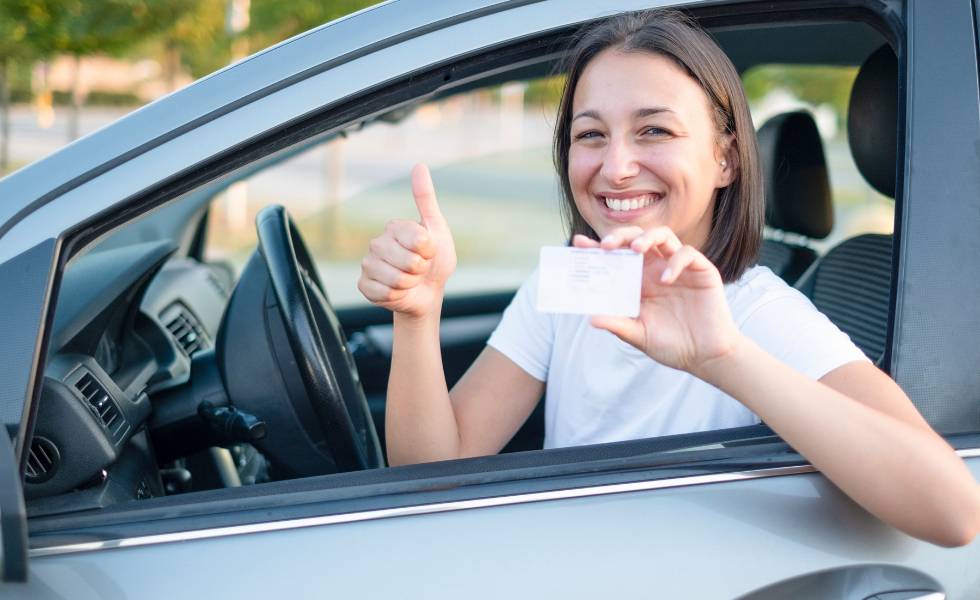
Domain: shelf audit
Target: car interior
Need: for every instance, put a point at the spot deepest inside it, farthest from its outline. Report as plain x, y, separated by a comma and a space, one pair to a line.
169, 374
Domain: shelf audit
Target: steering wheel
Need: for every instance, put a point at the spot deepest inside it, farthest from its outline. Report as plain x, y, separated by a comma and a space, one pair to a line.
319, 346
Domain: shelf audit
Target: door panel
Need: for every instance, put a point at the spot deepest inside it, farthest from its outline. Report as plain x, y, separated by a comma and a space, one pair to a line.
721, 540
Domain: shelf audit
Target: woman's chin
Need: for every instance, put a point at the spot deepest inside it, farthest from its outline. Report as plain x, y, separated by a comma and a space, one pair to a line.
645, 218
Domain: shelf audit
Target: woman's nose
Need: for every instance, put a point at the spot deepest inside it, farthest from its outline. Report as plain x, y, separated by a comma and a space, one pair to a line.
619, 162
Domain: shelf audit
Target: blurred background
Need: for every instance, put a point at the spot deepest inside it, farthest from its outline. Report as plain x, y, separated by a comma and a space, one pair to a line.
69, 67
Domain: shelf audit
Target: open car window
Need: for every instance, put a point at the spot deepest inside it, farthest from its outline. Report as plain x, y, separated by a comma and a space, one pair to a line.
489, 147
489, 150
823, 91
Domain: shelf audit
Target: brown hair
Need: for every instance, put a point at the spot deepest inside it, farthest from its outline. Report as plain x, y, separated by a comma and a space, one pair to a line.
739, 211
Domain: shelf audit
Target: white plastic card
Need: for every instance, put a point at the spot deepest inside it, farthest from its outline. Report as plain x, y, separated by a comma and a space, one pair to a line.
589, 281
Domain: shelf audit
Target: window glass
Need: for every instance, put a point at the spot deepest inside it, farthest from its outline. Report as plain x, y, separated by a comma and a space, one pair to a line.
490, 155
824, 91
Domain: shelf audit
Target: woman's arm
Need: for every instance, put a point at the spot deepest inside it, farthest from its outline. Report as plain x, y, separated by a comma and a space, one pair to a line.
877, 449
424, 422
405, 272
855, 425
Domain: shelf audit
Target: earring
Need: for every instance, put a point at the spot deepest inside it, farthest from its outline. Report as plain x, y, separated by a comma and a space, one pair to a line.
724, 163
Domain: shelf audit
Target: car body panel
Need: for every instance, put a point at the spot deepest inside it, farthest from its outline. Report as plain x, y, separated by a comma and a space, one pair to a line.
26, 282
935, 339
721, 540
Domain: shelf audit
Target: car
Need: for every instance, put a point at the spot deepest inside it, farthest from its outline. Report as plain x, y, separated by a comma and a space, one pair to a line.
190, 415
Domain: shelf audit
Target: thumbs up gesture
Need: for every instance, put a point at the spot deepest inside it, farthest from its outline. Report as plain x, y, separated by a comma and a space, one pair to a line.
407, 266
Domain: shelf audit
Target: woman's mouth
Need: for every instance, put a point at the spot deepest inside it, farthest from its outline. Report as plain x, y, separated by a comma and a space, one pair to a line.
625, 205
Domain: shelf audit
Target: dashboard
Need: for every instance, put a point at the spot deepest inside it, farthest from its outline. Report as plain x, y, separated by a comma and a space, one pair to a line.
127, 327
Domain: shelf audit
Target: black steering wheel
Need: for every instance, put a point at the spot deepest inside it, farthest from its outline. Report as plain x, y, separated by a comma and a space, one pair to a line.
326, 368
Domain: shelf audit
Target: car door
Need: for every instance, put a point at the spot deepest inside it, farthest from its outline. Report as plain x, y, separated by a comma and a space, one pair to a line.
730, 514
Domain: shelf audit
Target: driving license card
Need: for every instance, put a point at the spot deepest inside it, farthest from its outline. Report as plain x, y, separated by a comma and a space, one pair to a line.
589, 281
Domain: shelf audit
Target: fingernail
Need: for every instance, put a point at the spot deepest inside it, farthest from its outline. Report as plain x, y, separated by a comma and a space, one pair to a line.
666, 275
607, 239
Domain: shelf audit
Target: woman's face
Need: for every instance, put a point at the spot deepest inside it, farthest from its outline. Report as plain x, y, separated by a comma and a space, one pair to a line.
644, 147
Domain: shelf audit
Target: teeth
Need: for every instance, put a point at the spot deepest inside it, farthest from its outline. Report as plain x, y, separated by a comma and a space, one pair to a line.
629, 203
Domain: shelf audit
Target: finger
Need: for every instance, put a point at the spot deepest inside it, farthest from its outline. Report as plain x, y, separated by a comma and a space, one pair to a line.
412, 236
425, 197
374, 268
629, 330
662, 239
377, 292
581, 241
620, 237
392, 252
686, 258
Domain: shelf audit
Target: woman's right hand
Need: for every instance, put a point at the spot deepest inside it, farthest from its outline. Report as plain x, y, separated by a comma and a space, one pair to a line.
407, 266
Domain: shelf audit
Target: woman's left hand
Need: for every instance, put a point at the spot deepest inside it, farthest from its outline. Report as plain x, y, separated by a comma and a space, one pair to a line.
684, 319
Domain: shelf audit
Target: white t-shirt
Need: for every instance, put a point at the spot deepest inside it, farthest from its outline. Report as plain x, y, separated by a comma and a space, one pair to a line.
601, 389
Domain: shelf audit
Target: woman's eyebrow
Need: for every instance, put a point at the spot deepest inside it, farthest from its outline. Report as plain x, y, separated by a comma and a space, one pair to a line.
654, 110
637, 114
587, 113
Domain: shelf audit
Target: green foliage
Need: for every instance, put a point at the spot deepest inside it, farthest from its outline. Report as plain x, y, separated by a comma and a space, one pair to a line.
544, 92
274, 20
13, 33
199, 36
191, 33
813, 84
82, 27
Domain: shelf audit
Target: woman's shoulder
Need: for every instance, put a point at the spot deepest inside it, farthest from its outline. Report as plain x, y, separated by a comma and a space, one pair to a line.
759, 287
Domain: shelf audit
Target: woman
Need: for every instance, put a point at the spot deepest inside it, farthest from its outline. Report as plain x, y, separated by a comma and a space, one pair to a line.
656, 153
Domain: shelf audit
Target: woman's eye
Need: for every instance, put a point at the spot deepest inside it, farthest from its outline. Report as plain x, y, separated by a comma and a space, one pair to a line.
588, 135
655, 131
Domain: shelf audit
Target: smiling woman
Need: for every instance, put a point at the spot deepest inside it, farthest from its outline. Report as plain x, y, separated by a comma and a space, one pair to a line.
650, 166
690, 126
656, 154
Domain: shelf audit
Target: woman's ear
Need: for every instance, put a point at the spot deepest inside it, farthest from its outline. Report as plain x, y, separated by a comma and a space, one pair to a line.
727, 155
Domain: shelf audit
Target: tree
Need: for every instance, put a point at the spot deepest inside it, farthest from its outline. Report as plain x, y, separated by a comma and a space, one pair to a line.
273, 20
197, 40
83, 27
13, 47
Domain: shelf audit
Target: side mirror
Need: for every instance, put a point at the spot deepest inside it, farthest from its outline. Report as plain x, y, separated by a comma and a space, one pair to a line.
13, 517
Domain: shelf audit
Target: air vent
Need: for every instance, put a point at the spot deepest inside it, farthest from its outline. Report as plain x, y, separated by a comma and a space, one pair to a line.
98, 398
42, 460
185, 329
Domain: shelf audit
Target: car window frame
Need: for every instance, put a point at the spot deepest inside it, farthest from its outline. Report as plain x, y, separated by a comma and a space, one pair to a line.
218, 168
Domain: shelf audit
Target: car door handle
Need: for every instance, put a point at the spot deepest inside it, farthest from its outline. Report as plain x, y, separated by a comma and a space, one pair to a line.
854, 582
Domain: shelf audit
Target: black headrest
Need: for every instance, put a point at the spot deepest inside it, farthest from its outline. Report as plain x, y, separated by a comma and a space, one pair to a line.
798, 196
872, 120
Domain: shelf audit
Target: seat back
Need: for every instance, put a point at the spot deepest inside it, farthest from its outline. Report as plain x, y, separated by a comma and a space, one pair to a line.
851, 284
798, 197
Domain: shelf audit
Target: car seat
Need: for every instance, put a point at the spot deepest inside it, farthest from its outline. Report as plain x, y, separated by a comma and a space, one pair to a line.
851, 283
798, 197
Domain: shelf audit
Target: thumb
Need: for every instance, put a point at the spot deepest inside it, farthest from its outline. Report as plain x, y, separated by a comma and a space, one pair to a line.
629, 330
425, 197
